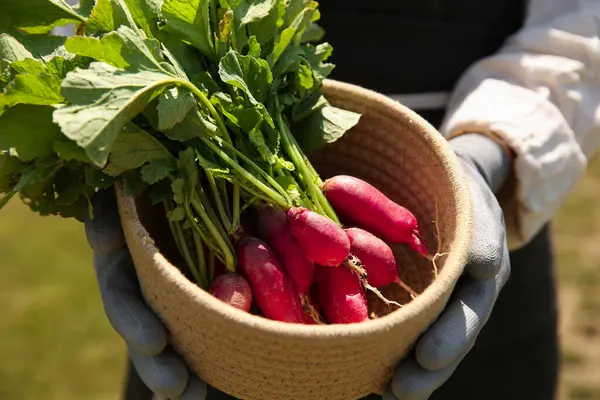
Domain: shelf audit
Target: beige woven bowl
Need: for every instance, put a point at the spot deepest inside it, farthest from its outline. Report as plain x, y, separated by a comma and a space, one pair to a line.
254, 358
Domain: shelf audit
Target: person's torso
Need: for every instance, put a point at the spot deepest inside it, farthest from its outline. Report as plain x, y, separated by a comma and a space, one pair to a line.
414, 46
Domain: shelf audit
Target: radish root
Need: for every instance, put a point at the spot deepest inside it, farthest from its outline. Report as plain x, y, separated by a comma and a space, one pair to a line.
438, 253
354, 264
311, 310
411, 291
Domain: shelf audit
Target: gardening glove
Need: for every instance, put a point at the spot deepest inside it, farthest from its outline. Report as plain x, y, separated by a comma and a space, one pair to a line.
159, 367
447, 341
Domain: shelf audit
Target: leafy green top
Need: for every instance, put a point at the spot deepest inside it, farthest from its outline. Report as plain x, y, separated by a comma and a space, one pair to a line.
156, 92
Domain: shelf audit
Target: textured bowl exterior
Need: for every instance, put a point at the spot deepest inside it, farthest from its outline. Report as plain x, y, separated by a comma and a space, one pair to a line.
258, 359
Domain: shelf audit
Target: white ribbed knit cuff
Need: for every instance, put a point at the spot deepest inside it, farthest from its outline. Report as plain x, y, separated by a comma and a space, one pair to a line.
548, 160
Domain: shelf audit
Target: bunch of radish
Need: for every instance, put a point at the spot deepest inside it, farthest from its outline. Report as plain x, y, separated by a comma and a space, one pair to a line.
210, 112
303, 267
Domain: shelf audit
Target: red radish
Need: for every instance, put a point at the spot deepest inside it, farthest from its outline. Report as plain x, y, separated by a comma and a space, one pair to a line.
272, 288
377, 259
341, 296
299, 267
232, 289
362, 203
321, 238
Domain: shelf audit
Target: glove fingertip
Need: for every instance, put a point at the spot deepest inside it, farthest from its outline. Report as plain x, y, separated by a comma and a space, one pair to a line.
149, 342
195, 390
164, 374
103, 229
427, 357
388, 394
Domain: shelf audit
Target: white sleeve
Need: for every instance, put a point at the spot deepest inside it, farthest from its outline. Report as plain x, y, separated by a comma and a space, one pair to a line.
540, 93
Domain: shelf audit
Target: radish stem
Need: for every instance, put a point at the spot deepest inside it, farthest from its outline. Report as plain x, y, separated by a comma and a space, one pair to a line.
221, 127
320, 202
276, 197
201, 260
211, 267
220, 208
225, 248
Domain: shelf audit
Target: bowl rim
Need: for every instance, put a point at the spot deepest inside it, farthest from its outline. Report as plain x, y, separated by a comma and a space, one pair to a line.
446, 278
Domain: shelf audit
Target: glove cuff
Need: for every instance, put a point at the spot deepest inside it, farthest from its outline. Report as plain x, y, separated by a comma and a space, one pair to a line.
491, 157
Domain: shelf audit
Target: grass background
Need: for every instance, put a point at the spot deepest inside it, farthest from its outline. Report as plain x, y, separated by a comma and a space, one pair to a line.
56, 343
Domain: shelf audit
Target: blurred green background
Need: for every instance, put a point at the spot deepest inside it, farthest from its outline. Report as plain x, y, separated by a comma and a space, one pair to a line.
56, 343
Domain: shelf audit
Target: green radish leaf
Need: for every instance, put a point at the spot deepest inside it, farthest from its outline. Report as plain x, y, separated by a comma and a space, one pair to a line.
160, 192
205, 82
98, 179
53, 189
60, 66
173, 105
307, 106
258, 140
255, 10
212, 166
253, 47
146, 14
109, 15
12, 50
6, 74
178, 186
266, 28
174, 63
289, 61
34, 173
314, 33
84, 8
293, 9
288, 183
193, 125
225, 31
226, 34
68, 150
10, 171
325, 125
36, 82
133, 185
189, 19
176, 214
250, 74
247, 116
185, 55
36, 16
28, 65
250, 14
123, 48
40, 47
29, 130
297, 27
104, 99
188, 170
107, 49
303, 79
316, 57
133, 148
32, 88
253, 76
68, 185
158, 169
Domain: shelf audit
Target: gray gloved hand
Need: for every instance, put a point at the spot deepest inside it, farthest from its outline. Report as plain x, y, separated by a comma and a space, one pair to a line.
159, 367
442, 347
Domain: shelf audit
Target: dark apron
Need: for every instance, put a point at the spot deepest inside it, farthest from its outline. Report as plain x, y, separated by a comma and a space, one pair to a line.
423, 46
